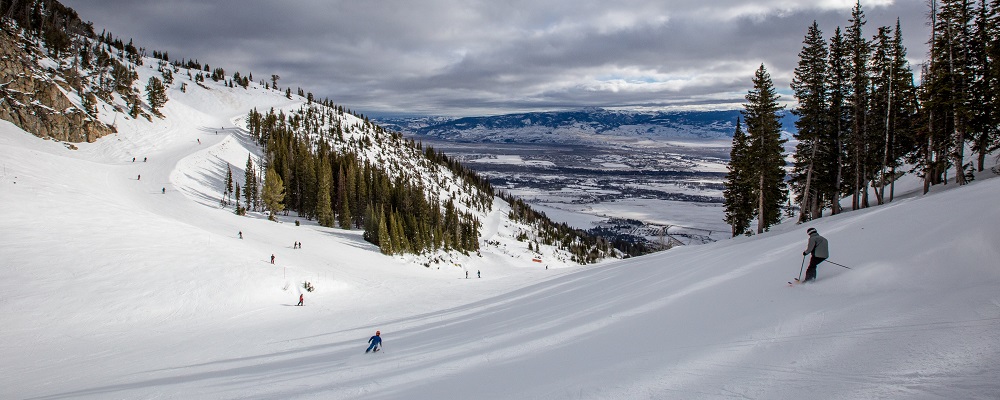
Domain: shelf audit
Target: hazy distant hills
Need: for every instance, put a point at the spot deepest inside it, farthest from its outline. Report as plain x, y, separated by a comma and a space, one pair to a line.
574, 126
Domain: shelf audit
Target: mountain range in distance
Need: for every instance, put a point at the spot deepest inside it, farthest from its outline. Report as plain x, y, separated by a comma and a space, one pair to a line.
657, 169
590, 125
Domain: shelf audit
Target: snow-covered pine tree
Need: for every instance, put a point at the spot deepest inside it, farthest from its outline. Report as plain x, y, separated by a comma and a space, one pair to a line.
156, 94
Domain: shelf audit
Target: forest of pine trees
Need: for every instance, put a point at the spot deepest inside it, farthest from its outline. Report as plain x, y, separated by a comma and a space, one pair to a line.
312, 164
316, 159
318, 164
585, 248
863, 122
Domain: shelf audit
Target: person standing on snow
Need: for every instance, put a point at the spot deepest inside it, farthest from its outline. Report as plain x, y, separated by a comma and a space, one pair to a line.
272, 258
819, 248
376, 342
301, 299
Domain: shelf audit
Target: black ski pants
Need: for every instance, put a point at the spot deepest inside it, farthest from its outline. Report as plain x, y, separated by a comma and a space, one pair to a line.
811, 271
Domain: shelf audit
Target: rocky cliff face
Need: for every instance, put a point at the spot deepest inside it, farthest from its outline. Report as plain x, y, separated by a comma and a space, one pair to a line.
35, 99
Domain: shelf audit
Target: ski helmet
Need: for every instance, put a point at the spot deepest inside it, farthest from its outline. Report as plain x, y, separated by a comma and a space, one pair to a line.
811, 231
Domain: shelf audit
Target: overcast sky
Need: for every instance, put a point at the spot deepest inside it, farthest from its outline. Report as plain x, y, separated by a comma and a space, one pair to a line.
484, 57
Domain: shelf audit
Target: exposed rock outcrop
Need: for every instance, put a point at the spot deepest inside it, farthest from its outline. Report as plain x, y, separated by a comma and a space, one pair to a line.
33, 99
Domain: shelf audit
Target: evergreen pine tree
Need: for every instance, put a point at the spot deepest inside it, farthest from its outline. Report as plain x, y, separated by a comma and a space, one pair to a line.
838, 75
903, 108
239, 210
250, 187
738, 206
229, 180
992, 71
274, 192
384, 240
858, 50
984, 124
400, 230
810, 86
893, 106
324, 210
395, 235
305, 182
767, 173
156, 93
947, 86
370, 225
880, 107
344, 214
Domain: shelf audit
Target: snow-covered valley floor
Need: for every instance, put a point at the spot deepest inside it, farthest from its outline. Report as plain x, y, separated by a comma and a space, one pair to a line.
122, 279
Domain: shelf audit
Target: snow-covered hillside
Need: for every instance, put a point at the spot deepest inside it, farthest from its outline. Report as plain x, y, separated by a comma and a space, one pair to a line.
110, 288
122, 277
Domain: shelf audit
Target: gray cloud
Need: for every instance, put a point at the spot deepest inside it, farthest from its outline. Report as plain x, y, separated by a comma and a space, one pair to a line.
453, 57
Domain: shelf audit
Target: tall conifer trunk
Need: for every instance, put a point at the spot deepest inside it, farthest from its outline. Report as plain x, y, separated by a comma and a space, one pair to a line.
760, 205
838, 188
805, 212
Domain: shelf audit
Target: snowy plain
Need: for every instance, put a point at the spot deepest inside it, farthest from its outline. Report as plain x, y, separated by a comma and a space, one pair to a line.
122, 279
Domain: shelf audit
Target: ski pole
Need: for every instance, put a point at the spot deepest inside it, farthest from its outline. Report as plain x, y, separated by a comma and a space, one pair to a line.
802, 266
840, 265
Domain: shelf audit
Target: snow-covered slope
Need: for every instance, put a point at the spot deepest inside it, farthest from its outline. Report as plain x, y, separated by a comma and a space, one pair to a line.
111, 289
125, 279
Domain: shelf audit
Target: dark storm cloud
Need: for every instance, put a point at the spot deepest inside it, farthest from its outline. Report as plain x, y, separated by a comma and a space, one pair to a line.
487, 57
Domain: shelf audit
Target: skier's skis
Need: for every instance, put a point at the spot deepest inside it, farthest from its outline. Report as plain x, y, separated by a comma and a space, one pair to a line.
792, 283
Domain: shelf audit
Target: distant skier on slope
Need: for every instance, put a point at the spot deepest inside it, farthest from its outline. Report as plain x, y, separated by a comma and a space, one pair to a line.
376, 342
301, 299
820, 251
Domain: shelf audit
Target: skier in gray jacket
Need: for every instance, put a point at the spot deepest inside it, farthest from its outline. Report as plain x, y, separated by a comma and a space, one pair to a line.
820, 252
